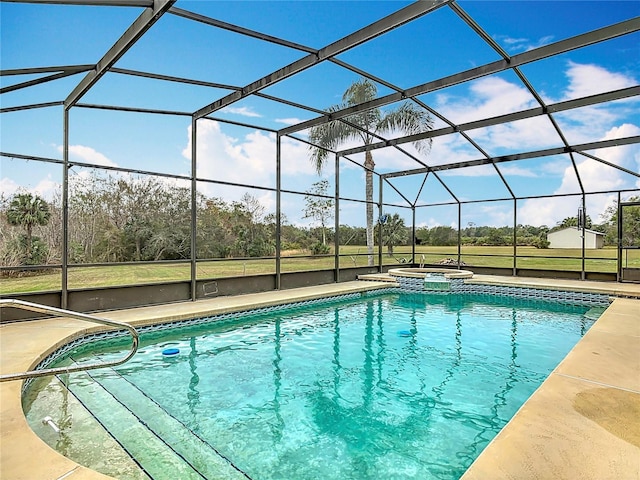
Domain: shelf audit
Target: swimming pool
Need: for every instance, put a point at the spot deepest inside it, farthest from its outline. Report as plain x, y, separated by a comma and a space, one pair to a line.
394, 385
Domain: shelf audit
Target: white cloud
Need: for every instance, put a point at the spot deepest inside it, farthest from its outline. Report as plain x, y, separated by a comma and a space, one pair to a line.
289, 121
517, 171
547, 211
554, 165
493, 96
487, 97
586, 80
8, 187
522, 44
584, 124
88, 155
249, 160
529, 134
45, 188
511, 41
222, 157
595, 176
627, 156
244, 111
489, 171
451, 149
477, 171
295, 159
496, 215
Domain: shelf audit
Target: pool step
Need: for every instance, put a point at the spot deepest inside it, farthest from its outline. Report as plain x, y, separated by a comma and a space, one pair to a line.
594, 313
200, 454
155, 457
163, 446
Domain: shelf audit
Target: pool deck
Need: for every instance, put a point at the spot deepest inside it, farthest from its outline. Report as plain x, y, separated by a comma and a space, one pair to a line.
583, 422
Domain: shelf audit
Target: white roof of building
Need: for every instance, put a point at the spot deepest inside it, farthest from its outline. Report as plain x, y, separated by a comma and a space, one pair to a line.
576, 228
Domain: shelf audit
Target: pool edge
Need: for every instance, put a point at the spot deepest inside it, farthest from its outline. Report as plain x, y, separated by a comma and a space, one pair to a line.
578, 422
19, 445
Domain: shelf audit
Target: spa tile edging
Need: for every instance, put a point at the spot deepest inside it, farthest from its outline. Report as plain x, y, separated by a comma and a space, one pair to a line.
458, 285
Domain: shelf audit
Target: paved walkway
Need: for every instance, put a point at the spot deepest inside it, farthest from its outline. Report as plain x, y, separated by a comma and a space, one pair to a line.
581, 423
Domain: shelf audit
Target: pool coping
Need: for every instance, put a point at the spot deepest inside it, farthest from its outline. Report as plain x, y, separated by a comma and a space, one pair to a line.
605, 360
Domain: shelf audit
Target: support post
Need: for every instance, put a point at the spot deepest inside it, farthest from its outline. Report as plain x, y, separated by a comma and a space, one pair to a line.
413, 234
380, 227
278, 211
459, 234
619, 239
515, 238
64, 300
194, 213
336, 218
583, 221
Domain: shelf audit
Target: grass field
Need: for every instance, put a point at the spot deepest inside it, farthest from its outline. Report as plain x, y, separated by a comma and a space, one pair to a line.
604, 260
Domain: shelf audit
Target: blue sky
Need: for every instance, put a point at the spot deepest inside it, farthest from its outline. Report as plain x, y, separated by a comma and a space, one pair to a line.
432, 47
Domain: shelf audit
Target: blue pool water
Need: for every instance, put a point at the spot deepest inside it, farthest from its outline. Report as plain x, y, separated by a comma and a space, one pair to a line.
394, 386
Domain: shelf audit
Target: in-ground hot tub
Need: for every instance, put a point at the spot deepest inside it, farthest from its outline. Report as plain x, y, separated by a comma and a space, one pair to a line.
429, 279
425, 272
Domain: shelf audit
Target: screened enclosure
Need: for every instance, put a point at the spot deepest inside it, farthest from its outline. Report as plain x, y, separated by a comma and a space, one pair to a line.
170, 150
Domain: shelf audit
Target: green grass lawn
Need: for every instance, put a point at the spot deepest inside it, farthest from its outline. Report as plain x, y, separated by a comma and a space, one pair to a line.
603, 260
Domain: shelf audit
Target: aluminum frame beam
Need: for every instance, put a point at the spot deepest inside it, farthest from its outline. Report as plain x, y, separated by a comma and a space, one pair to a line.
137, 29
19, 156
530, 197
241, 30
478, 29
116, 108
506, 118
171, 78
90, 3
36, 81
396, 19
428, 109
609, 164
30, 106
523, 156
36, 70
540, 53
56, 73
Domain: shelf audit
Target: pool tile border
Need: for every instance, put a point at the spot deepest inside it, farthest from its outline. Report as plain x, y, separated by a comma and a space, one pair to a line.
221, 317
406, 284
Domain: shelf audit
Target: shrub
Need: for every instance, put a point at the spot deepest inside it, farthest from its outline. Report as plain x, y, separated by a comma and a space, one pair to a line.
320, 248
541, 243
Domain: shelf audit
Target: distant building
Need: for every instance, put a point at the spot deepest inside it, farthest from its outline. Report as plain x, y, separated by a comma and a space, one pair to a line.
570, 237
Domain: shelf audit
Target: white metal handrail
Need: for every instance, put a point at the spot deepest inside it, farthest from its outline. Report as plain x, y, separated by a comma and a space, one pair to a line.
59, 312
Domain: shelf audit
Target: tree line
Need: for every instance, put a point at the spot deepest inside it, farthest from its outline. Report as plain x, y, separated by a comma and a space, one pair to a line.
125, 219
536, 236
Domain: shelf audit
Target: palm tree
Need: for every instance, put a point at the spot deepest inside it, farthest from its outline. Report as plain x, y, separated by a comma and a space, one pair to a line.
27, 210
365, 126
394, 232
